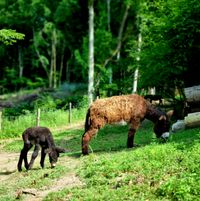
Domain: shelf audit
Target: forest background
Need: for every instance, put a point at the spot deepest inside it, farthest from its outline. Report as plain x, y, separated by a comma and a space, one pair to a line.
159, 39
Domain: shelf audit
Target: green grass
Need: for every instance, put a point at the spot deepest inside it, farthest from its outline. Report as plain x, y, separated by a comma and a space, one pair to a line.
36, 179
152, 171
52, 119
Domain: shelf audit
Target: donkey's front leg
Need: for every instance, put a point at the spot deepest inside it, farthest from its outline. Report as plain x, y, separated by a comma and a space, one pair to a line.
87, 136
43, 155
131, 133
130, 140
34, 155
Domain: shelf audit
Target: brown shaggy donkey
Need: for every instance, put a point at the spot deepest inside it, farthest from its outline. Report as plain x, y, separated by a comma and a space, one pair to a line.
40, 137
130, 108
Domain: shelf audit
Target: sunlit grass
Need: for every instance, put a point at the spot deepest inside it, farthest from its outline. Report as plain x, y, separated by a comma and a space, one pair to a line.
152, 171
52, 119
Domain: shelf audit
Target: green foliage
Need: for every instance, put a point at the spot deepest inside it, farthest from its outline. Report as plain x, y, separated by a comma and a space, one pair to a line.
167, 55
8, 36
54, 113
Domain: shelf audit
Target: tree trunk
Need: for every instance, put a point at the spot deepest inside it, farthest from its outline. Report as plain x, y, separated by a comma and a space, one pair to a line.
40, 57
54, 59
53, 73
108, 13
21, 63
120, 34
61, 64
91, 54
68, 71
116, 52
136, 73
110, 67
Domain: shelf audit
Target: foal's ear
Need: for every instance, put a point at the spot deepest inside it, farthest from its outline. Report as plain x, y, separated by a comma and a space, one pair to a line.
170, 113
60, 150
162, 117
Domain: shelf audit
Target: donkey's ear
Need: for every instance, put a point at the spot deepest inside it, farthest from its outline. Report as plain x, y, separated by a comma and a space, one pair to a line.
170, 113
162, 117
60, 150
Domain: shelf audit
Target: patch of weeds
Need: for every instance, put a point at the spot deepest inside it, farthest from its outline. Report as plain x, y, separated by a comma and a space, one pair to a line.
14, 146
38, 178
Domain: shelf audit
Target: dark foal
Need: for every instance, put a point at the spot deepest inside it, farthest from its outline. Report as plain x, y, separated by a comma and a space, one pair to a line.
132, 109
40, 137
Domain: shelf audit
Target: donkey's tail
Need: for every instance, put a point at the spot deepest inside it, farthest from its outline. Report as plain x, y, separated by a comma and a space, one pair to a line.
87, 121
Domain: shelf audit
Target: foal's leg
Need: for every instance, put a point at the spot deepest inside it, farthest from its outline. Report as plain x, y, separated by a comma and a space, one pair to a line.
131, 133
29, 146
34, 155
87, 136
23, 156
43, 155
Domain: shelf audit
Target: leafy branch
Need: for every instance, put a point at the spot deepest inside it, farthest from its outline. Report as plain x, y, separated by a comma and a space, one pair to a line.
9, 36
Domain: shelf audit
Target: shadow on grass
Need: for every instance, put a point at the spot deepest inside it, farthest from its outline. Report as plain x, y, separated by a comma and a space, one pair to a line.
7, 172
113, 138
108, 139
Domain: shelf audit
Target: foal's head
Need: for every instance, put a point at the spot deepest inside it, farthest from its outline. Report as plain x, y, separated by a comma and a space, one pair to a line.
54, 153
161, 127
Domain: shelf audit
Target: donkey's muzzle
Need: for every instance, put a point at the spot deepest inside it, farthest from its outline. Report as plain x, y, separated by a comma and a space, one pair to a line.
53, 165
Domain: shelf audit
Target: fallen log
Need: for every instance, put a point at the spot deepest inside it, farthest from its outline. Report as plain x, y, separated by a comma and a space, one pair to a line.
192, 94
192, 120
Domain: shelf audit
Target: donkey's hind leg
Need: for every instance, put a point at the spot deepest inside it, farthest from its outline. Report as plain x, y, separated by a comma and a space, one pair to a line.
87, 136
23, 156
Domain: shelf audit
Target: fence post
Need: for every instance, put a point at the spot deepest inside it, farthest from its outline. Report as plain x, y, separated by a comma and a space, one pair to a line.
0, 120
70, 112
38, 117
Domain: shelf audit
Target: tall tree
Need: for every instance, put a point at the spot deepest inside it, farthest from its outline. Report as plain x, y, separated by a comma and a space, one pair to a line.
136, 73
91, 52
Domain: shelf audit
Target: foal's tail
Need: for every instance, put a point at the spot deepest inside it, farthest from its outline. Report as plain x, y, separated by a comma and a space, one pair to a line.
87, 121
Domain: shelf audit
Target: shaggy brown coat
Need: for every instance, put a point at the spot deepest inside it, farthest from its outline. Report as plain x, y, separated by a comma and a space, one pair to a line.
130, 108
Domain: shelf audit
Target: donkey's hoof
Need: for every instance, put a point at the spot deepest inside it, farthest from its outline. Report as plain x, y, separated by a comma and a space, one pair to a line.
85, 153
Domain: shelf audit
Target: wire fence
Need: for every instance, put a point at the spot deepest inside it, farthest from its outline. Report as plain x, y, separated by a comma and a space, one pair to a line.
38, 114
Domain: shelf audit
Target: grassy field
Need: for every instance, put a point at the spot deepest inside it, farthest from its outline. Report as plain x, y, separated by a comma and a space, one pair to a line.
152, 171
55, 119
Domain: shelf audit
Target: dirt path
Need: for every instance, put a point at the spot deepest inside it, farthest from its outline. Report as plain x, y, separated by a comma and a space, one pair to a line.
9, 174
68, 181
8, 168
